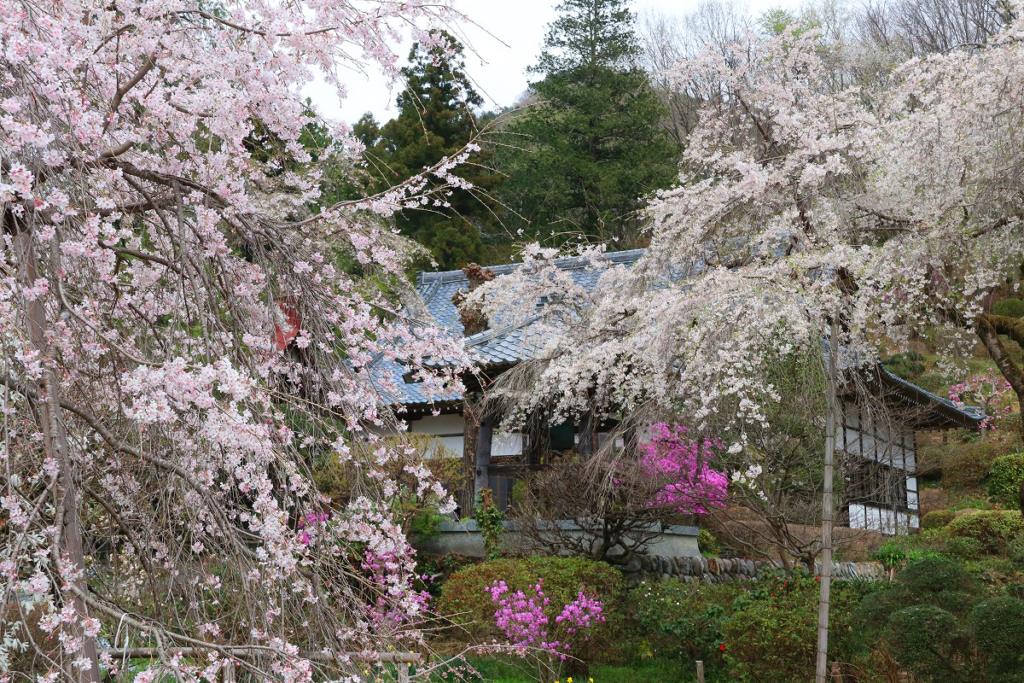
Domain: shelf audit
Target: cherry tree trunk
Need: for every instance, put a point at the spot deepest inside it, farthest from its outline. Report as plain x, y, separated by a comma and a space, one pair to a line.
989, 327
72, 559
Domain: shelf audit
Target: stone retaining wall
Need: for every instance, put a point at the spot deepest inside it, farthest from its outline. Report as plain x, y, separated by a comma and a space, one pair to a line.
720, 570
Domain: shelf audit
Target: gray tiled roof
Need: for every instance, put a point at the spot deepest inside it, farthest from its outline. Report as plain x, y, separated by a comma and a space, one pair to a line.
501, 346
437, 289
507, 345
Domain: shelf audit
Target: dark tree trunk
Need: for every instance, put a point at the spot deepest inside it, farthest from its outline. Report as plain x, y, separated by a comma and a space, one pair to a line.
989, 327
56, 444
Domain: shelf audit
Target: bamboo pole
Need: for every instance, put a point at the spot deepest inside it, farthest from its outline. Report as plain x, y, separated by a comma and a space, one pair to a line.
821, 663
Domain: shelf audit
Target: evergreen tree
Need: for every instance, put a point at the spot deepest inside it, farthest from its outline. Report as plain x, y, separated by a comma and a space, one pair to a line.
435, 119
593, 146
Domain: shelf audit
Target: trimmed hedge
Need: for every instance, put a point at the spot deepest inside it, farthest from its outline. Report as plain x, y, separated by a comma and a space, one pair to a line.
939, 581
929, 642
1004, 479
993, 529
937, 519
997, 625
465, 600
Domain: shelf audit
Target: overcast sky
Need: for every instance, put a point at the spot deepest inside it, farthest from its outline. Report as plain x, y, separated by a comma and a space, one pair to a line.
497, 62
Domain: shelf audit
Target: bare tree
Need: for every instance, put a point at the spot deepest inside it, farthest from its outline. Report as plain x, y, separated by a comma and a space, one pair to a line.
667, 39
598, 508
908, 28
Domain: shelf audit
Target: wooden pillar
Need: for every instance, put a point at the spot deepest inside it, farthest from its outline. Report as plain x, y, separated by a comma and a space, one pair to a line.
483, 455
471, 432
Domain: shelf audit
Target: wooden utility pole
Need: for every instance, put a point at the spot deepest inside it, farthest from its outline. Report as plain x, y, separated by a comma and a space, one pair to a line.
821, 663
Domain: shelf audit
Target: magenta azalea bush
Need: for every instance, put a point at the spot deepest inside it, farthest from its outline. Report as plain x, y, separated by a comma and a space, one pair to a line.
692, 487
526, 627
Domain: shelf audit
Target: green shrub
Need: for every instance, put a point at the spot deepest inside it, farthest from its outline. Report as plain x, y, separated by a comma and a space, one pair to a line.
997, 626
707, 543
1005, 478
994, 529
937, 519
908, 365
928, 641
426, 525
1015, 549
465, 601
683, 621
770, 636
965, 548
1012, 308
966, 465
891, 554
935, 580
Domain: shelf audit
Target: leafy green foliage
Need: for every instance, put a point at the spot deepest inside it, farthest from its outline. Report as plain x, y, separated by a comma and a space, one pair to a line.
491, 522
891, 554
936, 580
996, 625
963, 547
684, 620
770, 636
1012, 308
1015, 549
909, 365
708, 544
1005, 479
993, 529
426, 525
937, 625
581, 160
513, 670
465, 600
937, 519
966, 464
929, 642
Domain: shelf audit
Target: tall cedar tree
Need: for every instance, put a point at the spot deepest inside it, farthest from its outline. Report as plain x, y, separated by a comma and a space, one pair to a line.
586, 154
435, 119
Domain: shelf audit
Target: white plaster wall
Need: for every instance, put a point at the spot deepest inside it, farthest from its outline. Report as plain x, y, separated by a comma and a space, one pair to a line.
883, 521
449, 430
